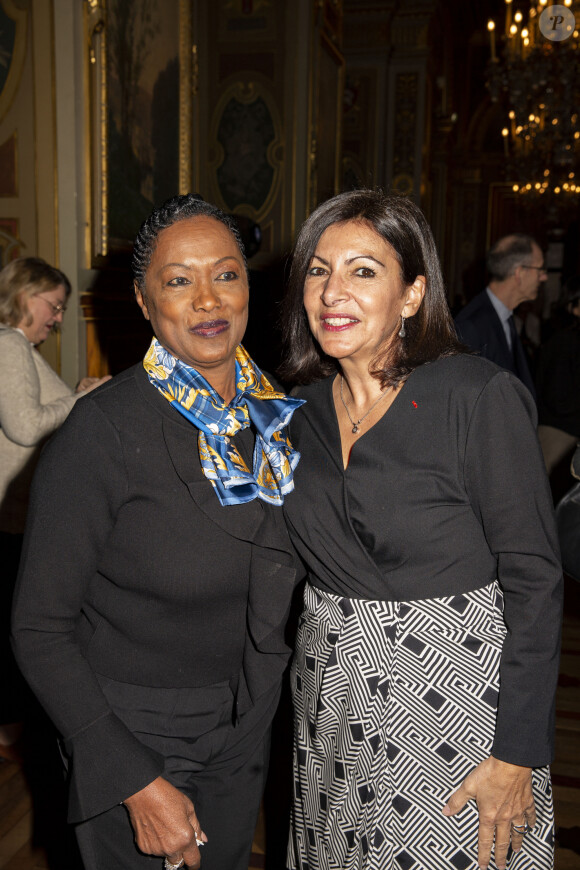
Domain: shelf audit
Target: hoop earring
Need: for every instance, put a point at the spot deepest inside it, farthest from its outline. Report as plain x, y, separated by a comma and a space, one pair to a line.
402, 331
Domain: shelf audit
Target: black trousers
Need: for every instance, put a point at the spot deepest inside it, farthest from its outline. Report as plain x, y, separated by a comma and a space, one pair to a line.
16, 700
221, 767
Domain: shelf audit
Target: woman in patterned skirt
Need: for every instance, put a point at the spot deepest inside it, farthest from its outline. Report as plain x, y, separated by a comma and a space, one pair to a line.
427, 656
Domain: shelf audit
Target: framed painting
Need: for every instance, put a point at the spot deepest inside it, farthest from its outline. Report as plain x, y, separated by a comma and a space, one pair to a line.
139, 62
12, 50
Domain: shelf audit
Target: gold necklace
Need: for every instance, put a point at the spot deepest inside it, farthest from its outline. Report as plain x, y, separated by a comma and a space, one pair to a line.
358, 422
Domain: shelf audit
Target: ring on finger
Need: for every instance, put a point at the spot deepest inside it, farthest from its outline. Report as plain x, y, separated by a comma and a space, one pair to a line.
169, 866
522, 829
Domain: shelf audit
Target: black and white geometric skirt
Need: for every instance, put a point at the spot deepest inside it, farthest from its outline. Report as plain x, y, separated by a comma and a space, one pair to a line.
395, 704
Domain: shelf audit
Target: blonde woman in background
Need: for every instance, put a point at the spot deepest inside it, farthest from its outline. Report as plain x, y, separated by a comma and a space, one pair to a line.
34, 402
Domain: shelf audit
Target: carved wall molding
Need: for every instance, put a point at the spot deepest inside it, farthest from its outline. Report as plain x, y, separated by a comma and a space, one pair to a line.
247, 150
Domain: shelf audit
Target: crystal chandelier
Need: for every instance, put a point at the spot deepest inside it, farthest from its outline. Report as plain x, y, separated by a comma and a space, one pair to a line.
535, 76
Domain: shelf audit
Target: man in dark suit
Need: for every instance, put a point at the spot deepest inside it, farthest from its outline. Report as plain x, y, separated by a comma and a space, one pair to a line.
516, 269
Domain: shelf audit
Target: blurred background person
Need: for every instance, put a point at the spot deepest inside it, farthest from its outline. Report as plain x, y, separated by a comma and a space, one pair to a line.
516, 269
558, 388
34, 402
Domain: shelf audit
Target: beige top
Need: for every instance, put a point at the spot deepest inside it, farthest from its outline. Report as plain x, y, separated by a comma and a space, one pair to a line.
34, 402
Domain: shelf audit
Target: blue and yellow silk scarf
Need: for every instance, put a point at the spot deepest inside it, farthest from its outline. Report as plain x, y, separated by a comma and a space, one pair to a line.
255, 402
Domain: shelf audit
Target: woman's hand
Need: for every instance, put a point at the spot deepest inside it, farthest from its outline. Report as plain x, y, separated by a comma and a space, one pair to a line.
503, 793
165, 823
88, 384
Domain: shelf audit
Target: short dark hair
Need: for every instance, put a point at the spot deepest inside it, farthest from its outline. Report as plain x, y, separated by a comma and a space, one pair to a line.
430, 333
23, 278
177, 208
508, 253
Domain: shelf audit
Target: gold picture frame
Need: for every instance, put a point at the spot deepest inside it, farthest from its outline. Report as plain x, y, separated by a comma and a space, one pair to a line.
12, 51
140, 64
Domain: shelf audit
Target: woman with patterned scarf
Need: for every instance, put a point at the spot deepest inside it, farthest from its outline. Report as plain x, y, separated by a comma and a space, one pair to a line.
149, 617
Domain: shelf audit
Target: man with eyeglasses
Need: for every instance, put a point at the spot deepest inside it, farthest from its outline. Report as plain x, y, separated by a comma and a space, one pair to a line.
516, 269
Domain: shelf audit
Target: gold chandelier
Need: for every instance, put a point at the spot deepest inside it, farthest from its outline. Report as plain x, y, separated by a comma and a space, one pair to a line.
535, 76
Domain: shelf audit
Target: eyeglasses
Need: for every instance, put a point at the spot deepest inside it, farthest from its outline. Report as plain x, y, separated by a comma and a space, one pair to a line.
56, 309
537, 268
